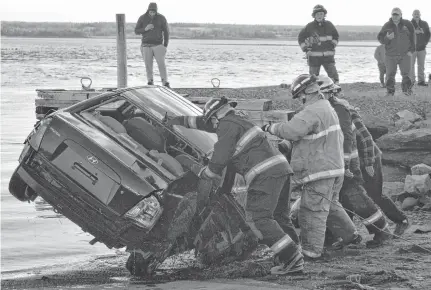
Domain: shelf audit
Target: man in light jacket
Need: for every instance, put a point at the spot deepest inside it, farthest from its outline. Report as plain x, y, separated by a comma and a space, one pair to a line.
318, 166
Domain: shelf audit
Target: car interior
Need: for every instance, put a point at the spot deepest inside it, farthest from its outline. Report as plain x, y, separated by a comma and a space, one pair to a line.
137, 131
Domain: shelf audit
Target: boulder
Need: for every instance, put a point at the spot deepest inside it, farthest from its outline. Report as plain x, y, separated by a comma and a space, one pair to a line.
416, 139
406, 159
408, 116
409, 203
419, 185
403, 125
393, 189
422, 124
421, 169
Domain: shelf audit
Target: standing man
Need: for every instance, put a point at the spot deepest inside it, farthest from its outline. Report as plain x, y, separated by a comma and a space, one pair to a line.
266, 171
422, 32
155, 39
318, 39
398, 36
318, 165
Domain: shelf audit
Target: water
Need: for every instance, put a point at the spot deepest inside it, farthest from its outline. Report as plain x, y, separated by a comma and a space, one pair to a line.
34, 236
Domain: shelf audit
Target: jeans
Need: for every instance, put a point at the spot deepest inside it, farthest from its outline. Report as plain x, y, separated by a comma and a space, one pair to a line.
158, 52
330, 69
420, 56
392, 63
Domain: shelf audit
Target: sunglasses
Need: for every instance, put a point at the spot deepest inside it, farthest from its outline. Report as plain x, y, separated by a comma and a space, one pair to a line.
395, 14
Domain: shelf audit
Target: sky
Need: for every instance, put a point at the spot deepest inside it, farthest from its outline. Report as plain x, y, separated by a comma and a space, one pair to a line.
279, 12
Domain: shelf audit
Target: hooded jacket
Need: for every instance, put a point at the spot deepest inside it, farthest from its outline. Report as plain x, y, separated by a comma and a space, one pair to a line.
159, 34
403, 41
422, 39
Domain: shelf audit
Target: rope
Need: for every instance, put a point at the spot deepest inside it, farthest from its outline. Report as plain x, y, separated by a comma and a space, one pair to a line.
362, 219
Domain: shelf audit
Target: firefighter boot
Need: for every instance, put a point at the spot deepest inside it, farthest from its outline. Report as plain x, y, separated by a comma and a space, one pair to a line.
379, 238
289, 265
340, 244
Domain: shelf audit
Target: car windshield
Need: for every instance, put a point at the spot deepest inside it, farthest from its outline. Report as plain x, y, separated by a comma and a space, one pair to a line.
160, 101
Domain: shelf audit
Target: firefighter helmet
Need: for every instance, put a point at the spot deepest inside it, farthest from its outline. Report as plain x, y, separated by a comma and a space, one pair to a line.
319, 8
327, 85
214, 105
304, 83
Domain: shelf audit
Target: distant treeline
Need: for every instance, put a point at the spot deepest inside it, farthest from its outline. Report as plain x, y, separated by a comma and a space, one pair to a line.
178, 30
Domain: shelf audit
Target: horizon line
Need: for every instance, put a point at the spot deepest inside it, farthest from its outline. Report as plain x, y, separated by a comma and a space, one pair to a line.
255, 24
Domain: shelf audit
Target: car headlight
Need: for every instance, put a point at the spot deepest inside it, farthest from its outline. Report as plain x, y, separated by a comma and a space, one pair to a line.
146, 213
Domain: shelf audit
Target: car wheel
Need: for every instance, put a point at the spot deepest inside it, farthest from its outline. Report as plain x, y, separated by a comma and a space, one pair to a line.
19, 189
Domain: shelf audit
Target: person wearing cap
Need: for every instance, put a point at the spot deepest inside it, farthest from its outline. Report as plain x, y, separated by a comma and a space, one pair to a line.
244, 147
398, 36
422, 33
155, 39
318, 165
318, 39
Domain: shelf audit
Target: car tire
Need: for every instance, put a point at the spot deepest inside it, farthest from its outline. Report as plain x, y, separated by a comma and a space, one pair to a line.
138, 265
19, 189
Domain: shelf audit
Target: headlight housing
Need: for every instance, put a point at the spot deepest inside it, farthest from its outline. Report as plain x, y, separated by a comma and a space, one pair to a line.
146, 213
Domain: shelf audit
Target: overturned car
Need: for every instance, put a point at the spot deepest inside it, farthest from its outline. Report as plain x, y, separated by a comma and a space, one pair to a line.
111, 166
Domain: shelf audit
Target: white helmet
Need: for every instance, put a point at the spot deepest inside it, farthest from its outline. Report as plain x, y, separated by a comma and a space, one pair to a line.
327, 85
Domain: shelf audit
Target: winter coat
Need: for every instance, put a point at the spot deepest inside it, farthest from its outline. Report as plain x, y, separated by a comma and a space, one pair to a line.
317, 142
320, 38
403, 41
422, 39
156, 36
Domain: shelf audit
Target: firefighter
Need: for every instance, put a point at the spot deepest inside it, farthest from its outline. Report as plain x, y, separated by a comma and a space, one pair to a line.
353, 195
370, 161
246, 148
318, 39
318, 165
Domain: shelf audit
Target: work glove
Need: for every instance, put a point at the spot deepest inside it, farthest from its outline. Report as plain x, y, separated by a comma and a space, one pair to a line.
348, 173
370, 170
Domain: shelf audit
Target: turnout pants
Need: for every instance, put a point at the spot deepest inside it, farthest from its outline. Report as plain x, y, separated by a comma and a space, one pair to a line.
158, 52
261, 202
330, 69
320, 208
374, 187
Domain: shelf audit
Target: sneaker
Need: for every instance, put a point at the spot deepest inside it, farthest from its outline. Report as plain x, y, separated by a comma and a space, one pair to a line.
294, 266
422, 84
382, 85
390, 94
379, 238
167, 85
401, 227
150, 83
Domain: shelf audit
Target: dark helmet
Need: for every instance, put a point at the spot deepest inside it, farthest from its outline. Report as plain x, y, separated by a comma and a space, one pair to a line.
214, 105
301, 83
319, 8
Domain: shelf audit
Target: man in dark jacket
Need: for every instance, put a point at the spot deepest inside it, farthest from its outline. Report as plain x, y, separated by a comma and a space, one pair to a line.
398, 36
422, 33
246, 148
318, 39
155, 39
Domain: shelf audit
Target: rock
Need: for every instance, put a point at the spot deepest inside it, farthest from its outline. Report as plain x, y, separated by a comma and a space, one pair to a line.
376, 126
409, 203
407, 115
422, 124
416, 139
406, 158
403, 125
419, 185
421, 169
393, 189
426, 207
